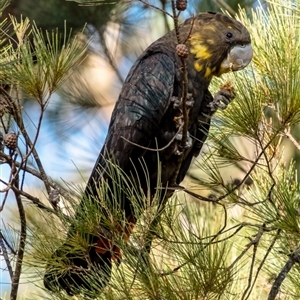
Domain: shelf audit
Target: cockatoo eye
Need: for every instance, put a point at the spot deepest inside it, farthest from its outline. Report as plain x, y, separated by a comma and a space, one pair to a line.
229, 35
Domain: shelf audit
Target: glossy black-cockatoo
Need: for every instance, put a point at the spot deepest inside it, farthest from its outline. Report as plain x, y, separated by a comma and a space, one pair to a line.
147, 115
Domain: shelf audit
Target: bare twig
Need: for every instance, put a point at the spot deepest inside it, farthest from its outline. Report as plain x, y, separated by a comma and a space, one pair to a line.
173, 270
259, 156
33, 151
293, 259
5, 255
254, 242
10, 247
36, 173
37, 202
205, 246
155, 7
263, 262
11, 180
236, 229
165, 15
155, 149
16, 109
6, 190
21, 248
195, 195
109, 56
288, 134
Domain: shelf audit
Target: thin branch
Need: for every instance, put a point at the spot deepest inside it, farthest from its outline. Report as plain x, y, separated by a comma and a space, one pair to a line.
18, 119
185, 110
172, 181
263, 262
205, 246
13, 251
293, 259
236, 229
175, 20
173, 270
155, 149
5, 255
288, 134
165, 15
253, 242
33, 151
38, 203
157, 8
197, 196
6, 190
38, 175
262, 153
21, 248
109, 56
11, 180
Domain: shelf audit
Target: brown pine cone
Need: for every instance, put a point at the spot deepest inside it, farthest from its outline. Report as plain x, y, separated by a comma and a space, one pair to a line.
182, 50
11, 141
181, 4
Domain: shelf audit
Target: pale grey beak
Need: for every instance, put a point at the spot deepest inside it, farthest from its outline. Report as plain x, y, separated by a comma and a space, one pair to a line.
238, 57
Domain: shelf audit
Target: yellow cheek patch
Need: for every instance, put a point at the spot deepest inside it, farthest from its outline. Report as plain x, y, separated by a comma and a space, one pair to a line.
210, 41
203, 53
200, 51
208, 72
197, 65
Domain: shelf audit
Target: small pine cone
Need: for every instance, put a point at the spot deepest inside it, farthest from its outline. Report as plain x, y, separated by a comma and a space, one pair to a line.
11, 141
182, 50
181, 4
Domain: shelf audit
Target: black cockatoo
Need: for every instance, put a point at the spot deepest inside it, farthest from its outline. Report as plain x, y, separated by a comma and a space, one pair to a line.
147, 114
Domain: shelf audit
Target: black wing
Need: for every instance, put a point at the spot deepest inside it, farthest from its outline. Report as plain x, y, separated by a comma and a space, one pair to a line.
142, 103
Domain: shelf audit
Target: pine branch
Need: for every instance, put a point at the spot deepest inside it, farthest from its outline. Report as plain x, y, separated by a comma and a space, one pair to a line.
254, 242
7, 159
16, 109
262, 263
5, 255
288, 134
22, 243
155, 7
293, 259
